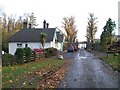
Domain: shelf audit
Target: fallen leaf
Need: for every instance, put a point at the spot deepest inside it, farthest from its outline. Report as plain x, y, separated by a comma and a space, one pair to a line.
10, 81
52, 86
16, 79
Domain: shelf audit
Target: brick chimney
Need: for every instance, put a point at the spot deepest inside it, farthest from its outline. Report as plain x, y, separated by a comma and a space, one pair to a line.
44, 24
47, 25
24, 25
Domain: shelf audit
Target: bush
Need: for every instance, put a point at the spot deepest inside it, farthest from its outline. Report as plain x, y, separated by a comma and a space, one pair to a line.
47, 52
24, 55
51, 52
54, 51
8, 59
19, 55
27, 53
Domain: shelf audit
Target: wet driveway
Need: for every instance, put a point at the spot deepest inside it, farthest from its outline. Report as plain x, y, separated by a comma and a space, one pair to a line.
87, 71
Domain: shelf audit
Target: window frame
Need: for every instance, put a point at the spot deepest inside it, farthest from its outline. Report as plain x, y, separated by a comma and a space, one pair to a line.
19, 45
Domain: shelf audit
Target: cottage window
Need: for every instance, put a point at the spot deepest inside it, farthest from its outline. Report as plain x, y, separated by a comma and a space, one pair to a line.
19, 45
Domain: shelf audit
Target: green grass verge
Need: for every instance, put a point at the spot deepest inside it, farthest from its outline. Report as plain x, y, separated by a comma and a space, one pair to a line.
113, 61
12, 75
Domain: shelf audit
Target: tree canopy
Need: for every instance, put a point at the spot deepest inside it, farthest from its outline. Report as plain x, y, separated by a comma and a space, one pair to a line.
70, 28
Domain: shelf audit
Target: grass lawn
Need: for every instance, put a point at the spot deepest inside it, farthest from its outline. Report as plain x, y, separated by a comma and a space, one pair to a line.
113, 61
18, 75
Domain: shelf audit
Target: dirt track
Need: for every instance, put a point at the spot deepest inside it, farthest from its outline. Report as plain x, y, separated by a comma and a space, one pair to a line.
87, 71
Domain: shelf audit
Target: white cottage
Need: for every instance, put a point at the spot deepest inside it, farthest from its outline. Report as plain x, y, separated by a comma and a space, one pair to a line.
30, 37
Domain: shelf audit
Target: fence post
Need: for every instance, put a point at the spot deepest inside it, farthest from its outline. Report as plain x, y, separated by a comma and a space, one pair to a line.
32, 56
24, 58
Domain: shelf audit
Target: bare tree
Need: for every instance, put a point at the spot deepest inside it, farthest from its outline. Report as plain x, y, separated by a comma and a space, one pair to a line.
18, 24
91, 29
8, 28
30, 19
11, 25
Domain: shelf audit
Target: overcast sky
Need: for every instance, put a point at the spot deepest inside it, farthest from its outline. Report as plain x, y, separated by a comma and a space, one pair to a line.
54, 10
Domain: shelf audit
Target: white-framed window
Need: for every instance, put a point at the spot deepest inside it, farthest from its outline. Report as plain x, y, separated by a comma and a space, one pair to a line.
19, 45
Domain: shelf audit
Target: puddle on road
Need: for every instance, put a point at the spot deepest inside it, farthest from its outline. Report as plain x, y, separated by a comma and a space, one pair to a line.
82, 58
82, 55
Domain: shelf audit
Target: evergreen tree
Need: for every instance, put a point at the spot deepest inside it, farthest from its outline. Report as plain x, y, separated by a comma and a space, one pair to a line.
107, 36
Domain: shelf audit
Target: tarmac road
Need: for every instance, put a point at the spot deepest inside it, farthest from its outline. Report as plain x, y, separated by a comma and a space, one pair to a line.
87, 71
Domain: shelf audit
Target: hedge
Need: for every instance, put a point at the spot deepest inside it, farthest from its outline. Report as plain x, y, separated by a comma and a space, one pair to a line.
21, 56
8, 59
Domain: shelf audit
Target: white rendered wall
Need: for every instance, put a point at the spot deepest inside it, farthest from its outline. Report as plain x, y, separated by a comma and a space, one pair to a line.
13, 46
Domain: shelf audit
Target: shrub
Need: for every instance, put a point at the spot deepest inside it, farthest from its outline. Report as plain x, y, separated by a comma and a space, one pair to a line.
54, 51
24, 55
27, 53
8, 59
51, 52
47, 52
19, 55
